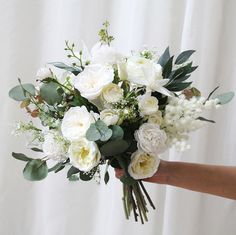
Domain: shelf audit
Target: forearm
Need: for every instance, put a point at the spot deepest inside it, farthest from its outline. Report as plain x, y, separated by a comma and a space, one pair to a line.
217, 180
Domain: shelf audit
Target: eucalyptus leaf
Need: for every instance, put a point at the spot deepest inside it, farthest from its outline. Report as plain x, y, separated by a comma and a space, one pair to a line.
35, 170
21, 157
93, 133
117, 132
49, 93
73, 178
85, 176
73, 170
56, 167
184, 56
225, 97
22, 92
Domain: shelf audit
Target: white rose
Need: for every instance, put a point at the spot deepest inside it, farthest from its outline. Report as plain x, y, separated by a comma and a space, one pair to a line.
104, 54
151, 139
109, 117
156, 118
112, 93
43, 73
143, 165
76, 122
84, 154
142, 71
93, 79
54, 148
147, 104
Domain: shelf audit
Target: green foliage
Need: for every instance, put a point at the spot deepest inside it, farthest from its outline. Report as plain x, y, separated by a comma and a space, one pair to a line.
86, 176
179, 86
114, 148
184, 56
126, 179
60, 65
35, 170
205, 119
167, 68
49, 92
117, 132
103, 34
72, 171
225, 97
21, 157
22, 92
73, 178
56, 167
106, 177
36, 150
164, 57
98, 131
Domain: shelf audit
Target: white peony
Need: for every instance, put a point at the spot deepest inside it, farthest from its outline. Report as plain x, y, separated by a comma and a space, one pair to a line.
147, 104
151, 139
43, 73
76, 122
93, 79
142, 71
104, 54
54, 147
112, 93
109, 117
143, 165
84, 154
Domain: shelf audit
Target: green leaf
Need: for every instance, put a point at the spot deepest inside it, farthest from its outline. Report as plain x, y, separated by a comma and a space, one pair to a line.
178, 86
114, 147
85, 176
60, 65
35, 170
93, 133
105, 136
127, 180
22, 92
212, 92
106, 177
225, 97
59, 168
49, 93
117, 132
73, 178
73, 170
184, 56
164, 57
205, 120
167, 68
56, 167
36, 150
21, 157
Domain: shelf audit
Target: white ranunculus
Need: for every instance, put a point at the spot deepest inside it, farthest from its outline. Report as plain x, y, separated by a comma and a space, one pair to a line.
104, 54
43, 73
112, 93
93, 79
109, 117
151, 139
147, 104
76, 122
54, 148
142, 71
156, 118
143, 165
84, 154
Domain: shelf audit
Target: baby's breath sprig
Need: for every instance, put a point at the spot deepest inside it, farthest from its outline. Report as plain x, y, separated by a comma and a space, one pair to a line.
103, 34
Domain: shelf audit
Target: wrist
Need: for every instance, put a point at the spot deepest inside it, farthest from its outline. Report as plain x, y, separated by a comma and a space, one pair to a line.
162, 174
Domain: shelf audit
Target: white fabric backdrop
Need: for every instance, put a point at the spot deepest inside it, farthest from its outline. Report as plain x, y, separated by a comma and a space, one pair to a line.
33, 32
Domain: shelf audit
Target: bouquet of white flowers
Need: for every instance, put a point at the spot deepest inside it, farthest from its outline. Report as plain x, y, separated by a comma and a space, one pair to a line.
109, 108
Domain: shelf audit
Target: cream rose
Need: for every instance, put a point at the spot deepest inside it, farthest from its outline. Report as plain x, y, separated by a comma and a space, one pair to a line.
93, 79
84, 154
76, 122
112, 93
104, 54
156, 118
143, 165
142, 71
151, 139
109, 117
147, 104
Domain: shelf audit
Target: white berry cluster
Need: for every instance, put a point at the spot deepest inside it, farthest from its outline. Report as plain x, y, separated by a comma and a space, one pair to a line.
181, 117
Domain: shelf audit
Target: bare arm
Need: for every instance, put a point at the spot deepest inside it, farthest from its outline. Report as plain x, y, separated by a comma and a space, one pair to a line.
212, 179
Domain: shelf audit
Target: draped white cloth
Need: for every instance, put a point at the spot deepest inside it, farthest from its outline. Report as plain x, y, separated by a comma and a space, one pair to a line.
33, 33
